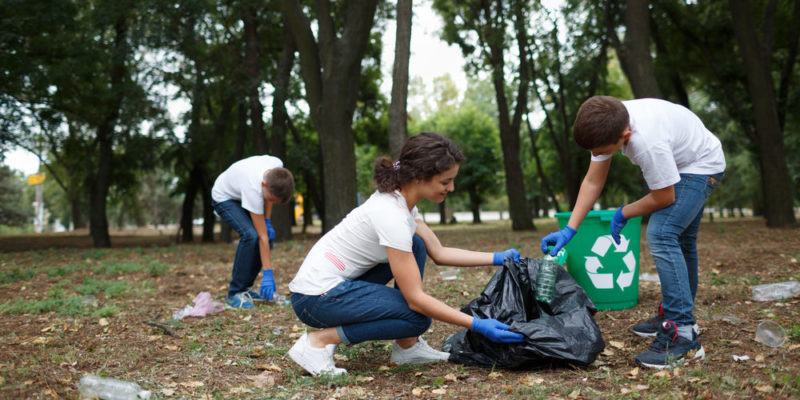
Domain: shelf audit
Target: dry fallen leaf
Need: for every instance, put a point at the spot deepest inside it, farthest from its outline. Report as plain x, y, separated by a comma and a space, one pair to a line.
694, 379
451, 378
192, 384
416, 392
102, 322
764, 389
641, 388
634, 372
168, 392
263, 380
171, 347
240, 390
575, 394
531, 380
364, 379
617, 344
258, 351
662, 374
439, 391
383, 368
495, 375
270, 367
340, 357
418, 373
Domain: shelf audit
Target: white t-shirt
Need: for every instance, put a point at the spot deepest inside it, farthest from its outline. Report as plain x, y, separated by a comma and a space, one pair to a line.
357, 244
242, 182
667, 140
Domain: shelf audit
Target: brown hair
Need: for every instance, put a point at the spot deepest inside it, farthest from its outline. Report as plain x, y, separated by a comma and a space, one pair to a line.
422, 157
280, 183
600, 122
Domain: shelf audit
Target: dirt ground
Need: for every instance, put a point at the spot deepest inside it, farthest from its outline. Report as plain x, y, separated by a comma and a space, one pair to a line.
68, 310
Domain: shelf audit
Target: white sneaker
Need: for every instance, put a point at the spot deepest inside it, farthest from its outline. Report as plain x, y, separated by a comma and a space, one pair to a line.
419, 353
314, 360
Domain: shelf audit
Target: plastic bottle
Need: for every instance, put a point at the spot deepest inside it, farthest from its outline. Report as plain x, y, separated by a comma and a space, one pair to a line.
776, 291
93, 386
546, 281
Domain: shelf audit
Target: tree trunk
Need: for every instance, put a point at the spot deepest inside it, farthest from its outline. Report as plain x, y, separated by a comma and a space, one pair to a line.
209, 219
187, 210
634, 50
776, 183
475, 205
509, 129
252, 63
98, 220
77, 213
331, 69
398, 119
282, 213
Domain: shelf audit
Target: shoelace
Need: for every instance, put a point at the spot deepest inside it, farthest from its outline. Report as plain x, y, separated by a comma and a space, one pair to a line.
245, 296
661, 344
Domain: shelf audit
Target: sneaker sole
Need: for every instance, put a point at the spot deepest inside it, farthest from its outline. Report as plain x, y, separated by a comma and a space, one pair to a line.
699, 355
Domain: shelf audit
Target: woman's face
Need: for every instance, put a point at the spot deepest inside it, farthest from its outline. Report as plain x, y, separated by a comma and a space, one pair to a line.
440, 185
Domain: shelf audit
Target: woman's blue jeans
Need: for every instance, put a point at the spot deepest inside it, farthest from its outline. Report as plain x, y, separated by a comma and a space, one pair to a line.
672, 237
365, 308
247, 263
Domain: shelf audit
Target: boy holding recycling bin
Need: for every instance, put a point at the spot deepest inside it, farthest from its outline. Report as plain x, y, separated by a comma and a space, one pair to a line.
682, 162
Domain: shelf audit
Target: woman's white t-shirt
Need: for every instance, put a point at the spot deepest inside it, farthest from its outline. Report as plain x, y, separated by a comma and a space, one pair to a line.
667, 140
242, 182
357, 244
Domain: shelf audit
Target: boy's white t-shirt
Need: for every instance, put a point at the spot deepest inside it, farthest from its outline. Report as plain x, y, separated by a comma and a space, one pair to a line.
357, 243
242, 182
667, 140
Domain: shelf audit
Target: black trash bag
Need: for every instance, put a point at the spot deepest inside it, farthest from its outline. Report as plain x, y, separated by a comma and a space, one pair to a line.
557, 334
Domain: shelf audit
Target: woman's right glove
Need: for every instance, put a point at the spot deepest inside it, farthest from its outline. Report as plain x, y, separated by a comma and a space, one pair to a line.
557, 240
496, 331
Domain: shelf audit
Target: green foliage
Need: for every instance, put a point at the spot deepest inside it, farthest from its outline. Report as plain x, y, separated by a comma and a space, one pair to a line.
111, 288
13, 211
16, 275
117, 267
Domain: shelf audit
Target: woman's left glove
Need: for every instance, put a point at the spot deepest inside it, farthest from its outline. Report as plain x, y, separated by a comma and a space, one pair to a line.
500, 256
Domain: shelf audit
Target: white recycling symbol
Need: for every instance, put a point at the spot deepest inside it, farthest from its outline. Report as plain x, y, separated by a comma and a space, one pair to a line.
606, 280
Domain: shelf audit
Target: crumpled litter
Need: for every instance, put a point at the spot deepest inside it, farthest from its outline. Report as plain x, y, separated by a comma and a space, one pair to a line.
203, 305
740, 358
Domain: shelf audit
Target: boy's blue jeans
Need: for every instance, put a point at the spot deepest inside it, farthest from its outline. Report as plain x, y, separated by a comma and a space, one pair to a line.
247, 263
672, 237
365, 308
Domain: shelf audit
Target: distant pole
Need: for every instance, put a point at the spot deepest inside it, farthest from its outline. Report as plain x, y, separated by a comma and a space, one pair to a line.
38, 221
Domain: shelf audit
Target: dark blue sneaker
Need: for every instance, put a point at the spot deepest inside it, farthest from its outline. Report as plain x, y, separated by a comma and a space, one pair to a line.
255, 296
669, 349
240, 300
651, 326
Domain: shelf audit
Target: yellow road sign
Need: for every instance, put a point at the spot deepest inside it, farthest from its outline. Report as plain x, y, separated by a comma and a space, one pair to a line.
36, 179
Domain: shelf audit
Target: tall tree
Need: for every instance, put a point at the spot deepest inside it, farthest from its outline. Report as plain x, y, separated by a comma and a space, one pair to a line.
490, 23
398, 114
634, 50
754, 53
330, 65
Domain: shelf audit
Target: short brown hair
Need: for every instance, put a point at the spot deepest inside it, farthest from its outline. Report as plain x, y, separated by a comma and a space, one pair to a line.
600, 122
422, 157
280, 183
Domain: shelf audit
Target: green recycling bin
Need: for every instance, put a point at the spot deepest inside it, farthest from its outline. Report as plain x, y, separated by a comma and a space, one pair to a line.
608, 272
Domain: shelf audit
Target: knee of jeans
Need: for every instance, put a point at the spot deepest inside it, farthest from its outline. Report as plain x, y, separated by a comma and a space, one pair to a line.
657, 237
422, 323
249, 235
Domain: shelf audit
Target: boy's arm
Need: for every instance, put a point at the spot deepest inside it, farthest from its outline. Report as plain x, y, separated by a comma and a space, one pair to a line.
590, 190
653, 201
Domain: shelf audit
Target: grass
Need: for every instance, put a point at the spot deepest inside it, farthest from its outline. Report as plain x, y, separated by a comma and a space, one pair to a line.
68, 312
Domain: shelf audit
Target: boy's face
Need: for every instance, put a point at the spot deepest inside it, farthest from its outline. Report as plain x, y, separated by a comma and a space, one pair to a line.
612, 148
268, 197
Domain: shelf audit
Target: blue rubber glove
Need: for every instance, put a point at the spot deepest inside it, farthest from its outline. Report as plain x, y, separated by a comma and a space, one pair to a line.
496, 331
500, 256
557, 240
617, 223
267, 289
270, 232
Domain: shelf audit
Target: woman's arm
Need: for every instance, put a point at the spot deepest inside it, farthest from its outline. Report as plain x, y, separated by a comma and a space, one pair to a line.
406, 274
450, 255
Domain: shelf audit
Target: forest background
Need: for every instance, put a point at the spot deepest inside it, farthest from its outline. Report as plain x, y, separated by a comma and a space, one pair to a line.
85, 86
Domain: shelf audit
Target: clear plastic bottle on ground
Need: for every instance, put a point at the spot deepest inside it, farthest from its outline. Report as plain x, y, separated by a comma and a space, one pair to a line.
546, 281
776, 291
93, 386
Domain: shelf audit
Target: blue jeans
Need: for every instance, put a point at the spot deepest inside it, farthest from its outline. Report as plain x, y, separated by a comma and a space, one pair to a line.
365, 308
672, 237
247, 263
